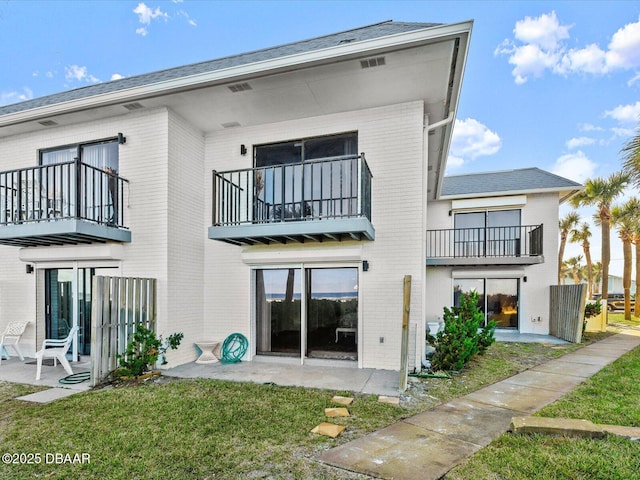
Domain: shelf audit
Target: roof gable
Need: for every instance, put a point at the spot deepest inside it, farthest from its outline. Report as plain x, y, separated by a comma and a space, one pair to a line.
369, 32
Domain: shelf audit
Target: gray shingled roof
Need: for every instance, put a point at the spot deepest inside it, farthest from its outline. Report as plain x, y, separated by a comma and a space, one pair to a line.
521, 180
377, 30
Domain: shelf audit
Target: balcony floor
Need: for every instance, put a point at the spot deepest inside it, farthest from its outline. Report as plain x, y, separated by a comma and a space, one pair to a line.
484, 261
295, 231
60, 232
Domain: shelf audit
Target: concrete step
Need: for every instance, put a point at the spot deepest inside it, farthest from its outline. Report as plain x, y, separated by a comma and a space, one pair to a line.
570, 427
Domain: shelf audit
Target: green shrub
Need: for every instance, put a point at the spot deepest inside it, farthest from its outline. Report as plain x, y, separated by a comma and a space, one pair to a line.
143, 351
461, 339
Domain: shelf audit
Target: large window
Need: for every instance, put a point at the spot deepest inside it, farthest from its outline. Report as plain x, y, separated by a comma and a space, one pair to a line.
98, 180
498, 298
294, 180
487, 233
322, 322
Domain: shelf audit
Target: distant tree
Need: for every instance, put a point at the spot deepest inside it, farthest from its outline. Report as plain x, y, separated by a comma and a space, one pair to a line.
601, 192
575, 269
624, 217
581, 235
631, 158
566, 224
596, 272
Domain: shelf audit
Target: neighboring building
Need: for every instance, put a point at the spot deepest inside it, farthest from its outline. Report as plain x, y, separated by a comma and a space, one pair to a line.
497, 233
295, 240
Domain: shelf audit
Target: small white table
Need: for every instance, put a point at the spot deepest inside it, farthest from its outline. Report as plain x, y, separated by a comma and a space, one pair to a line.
208, 349
347, 330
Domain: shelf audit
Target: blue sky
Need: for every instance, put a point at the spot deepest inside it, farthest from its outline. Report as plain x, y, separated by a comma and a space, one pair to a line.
549, 84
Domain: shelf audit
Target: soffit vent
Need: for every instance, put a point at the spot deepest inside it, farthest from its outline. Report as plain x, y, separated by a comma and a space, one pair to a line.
240, 87
230, 124
48, 123
372, 62
133, 106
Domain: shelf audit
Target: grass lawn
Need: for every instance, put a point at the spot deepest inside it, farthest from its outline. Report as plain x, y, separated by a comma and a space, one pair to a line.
618, 317
609, 397
205, 429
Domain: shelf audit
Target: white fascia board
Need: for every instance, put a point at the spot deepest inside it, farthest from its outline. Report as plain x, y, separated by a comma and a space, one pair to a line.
219, 76
507, 193
489, 202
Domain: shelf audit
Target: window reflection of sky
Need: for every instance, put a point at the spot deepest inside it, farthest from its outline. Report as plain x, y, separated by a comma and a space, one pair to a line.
341, 281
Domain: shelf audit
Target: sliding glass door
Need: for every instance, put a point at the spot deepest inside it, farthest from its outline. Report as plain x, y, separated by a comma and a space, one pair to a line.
323, 322
497, 298
61, 307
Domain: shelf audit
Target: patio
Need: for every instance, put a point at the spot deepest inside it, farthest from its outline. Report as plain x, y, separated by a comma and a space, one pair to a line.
16, 371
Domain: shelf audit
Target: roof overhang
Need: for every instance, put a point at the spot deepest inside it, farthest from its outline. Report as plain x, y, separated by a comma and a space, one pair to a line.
565, 194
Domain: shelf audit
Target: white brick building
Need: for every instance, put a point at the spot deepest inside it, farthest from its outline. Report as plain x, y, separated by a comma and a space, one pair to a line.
240, 186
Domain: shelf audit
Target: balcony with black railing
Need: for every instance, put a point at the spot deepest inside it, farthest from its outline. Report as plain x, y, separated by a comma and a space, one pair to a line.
60, 204
316, 200
510, 245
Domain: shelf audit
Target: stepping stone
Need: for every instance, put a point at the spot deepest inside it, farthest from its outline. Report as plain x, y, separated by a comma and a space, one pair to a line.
328, 429
556, 426
390, 400
336, 412
342, 400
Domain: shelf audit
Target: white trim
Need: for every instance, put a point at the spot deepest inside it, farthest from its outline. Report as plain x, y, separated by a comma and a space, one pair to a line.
72, 253
511, 192
511, 273
489, 203
325, 256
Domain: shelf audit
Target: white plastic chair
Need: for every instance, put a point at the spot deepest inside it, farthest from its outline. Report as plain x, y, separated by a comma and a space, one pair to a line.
56, 349
11, 337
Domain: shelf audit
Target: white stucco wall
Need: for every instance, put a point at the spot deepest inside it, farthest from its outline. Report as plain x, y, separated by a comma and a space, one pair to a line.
392, 139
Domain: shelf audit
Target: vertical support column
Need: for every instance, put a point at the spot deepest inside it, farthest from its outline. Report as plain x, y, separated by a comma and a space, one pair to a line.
406, 303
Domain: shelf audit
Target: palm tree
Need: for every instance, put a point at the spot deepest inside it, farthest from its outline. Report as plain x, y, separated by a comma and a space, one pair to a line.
575, 268
601, 192
631, 158
632, 207
566, 224
623, 218
581, 235
596, 272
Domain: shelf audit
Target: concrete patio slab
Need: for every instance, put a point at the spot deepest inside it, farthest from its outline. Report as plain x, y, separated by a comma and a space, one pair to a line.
330, 377
16, 371
48, 396
401, 451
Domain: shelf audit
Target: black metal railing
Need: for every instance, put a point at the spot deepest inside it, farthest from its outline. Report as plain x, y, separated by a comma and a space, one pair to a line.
337, 187
511, 241
67, 190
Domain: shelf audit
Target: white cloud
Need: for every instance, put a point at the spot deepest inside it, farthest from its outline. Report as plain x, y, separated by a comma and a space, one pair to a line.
587, 127
633, 80
575, 166
80, 74
472, 139
146, 14
189, 20
15, 96
544, 31
580, 142
624, 48
540, 44
625, 113
116, 76
142, 31
454, 162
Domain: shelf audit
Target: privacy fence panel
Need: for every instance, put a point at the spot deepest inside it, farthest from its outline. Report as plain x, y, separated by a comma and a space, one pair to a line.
566, 311
119, 306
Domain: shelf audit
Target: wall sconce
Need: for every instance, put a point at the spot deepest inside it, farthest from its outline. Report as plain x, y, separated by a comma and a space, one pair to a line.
243, 149
29, 268
121, 139
524, 279
365, 266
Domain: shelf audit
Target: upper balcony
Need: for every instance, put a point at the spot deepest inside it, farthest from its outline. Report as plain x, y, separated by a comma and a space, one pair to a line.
62, 203
316, 200
510, 245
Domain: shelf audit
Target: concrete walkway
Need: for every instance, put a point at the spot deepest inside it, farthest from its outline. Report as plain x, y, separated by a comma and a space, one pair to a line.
430, 444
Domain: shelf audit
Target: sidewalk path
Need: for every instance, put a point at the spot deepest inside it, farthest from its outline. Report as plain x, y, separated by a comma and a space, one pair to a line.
430, 444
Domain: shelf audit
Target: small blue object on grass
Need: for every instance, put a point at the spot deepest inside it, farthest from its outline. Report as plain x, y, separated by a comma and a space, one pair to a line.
233, 348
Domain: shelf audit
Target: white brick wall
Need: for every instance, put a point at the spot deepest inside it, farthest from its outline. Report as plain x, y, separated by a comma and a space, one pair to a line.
392, 139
